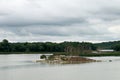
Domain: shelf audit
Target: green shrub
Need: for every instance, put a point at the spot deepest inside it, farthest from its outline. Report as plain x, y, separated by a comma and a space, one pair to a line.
43, 57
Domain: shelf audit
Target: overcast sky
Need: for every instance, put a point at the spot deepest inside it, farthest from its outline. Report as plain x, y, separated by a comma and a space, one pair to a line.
60, 20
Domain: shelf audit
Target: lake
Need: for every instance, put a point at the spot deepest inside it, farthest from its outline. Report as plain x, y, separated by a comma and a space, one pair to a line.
24, 67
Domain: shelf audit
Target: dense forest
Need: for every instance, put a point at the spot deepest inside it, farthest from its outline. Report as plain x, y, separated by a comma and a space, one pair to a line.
68, 47
6, 46
109, 45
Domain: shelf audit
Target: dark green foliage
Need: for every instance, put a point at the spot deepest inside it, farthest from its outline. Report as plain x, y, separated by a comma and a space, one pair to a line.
42, 57
107, 45
5, 46
67, 48
117, 47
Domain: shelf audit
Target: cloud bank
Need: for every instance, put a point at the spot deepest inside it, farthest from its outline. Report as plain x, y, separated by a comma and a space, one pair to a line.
59, 20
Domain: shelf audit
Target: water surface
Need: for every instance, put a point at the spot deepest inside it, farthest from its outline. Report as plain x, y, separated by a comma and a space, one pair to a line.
23, 67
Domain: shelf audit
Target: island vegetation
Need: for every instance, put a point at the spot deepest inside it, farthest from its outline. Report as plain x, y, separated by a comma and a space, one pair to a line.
64, 59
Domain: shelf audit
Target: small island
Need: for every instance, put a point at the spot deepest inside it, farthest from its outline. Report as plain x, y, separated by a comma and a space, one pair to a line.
63, 59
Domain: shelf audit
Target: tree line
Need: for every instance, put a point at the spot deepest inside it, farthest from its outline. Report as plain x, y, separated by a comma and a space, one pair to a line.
68, 47
115, 45
6, 46
107, 45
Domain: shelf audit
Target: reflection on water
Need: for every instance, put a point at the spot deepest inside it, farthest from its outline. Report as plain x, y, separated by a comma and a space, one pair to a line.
23, 67
19, 61
20, 66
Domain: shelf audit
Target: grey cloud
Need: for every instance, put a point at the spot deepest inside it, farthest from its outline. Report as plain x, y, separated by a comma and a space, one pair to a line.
65, 14
3, 14
80, 20
76, 30
108, 14
48, 31
56, 22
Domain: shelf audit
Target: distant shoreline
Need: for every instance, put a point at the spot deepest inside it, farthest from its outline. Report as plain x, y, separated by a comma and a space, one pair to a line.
85, 55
